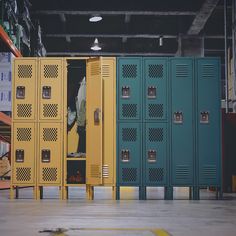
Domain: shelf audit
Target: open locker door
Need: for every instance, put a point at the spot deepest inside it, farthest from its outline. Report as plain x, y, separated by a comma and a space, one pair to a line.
94, 126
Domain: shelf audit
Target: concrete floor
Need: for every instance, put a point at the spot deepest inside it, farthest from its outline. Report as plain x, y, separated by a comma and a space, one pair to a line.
77, 216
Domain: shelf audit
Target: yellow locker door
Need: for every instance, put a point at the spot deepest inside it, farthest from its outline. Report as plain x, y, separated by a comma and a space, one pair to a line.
24, 89
50, 91
50, 153
94, 128
23, 153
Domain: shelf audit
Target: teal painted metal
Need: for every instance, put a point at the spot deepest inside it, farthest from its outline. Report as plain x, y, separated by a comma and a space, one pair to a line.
155, 154
208, 122
155, 79
182, 126
129, 88
129, 154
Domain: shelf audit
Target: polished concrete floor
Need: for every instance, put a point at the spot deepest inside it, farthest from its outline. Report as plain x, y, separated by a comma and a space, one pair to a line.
77, 216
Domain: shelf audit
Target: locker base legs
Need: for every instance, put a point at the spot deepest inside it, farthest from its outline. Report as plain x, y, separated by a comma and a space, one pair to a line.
142, 193
90, 192
168, 193
17, 192
196, 193
12, 192
113, 192
117, 192
65, 193
219, 193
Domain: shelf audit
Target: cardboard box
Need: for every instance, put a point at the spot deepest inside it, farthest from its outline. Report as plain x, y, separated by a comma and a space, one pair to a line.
6, 59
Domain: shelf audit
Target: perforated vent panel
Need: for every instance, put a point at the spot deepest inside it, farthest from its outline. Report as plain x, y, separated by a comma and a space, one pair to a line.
49, 174
95, 171
24, 110
155, 110
23, 174
129, 110
129, 71
95, 69
209, 171
106, 71
182, 172
182, 70
129, 134
129, 174
25, 71
155, 134
23, 134
50, 110
155, 71
208, 71
156, 174
50, 134
50, 71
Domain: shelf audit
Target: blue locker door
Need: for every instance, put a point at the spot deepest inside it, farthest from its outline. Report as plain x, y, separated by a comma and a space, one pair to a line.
129, 88
155, 154
155, 88
208, 121
182, 122
129, 154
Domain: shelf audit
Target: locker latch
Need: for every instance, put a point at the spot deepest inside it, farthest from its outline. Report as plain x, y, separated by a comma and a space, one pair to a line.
152, 92
46, 93
125, 92
20, 92
152, 156
46, 155
125, 155
20, 155
97, 116
204, 117
178, 117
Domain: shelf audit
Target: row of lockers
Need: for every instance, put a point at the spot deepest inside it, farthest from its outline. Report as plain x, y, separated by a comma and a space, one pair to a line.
172, 138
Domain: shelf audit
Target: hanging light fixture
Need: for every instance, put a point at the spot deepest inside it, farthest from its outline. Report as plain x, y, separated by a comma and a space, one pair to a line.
161, 41
95, 18
96, 46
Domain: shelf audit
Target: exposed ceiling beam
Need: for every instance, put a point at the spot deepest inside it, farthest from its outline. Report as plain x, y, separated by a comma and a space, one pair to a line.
62, 17
154, 13
202, 16
127, 18
151, 36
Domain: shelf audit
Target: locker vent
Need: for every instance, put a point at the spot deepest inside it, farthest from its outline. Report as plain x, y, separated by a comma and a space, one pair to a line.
50, 134
129, 71
156, 174
208, 71
49, 174
182, 70
209, 171
129, 134
155, 134
50, 110
95, 171
24, 110
50, 71
129, 110
106, 71
182, 172
105, 171
95, 69
23, 174
155, 110
155, 71
25, 71
23, 134
129, 174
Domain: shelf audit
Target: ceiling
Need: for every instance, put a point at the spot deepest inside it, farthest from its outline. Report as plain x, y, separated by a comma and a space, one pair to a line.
130, 27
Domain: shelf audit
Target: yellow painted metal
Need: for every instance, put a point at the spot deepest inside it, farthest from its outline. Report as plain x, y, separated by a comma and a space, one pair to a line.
24, 92
109, 120
94, 126
51, 89
50, 144
24, 140
72, 139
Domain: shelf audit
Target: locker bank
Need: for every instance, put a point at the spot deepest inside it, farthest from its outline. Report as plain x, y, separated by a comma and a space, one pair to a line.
150, 122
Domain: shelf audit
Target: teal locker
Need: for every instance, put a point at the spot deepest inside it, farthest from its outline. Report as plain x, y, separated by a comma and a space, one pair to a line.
129, 88
208, 121
155, 88
182, 122
155, 154
129, 154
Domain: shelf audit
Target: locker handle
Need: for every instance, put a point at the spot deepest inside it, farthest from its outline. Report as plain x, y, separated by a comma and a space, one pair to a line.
20, 92
20, 155
97, 116
46, 156
152, 92
178, 117
125, 155
204, 117
152, 156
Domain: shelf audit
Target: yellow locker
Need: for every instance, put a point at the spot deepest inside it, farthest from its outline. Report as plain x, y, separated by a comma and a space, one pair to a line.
50, 154
51, 89
24, 89
23, 153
